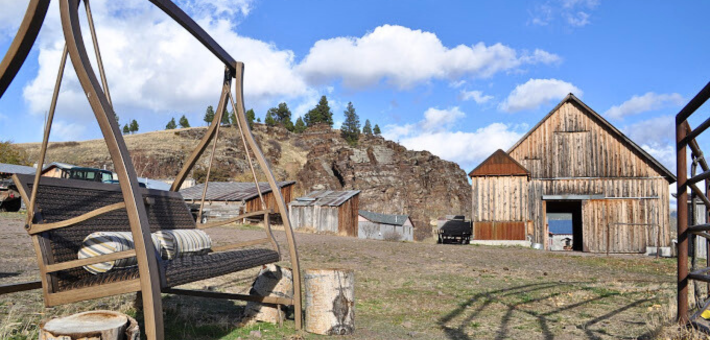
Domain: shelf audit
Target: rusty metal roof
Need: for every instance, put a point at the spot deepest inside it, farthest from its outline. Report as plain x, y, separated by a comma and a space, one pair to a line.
325, 198
499, 164
229, 191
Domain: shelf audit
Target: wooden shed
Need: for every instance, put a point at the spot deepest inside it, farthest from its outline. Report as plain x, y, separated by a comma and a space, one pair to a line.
327, 211
229, 199
575, 163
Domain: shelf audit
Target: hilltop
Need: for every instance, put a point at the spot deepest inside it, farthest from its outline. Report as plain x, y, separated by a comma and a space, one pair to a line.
392, 179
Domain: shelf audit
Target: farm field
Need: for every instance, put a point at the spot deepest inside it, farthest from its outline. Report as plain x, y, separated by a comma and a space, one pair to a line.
405, 291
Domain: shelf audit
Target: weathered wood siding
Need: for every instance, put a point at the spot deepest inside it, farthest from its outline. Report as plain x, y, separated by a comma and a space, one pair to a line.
621, 225
509, 231
322, 219
571, 143
254, 204
653, 191
499, 198
348, 216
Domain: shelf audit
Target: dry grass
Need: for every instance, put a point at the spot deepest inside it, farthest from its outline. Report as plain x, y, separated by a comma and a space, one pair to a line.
409, 290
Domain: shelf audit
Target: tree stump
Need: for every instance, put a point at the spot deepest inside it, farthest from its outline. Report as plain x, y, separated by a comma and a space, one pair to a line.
273, 281
330, 301
94, 325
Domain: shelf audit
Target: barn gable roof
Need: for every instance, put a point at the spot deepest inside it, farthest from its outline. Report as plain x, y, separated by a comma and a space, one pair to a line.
384, 218
499, 164
603, 122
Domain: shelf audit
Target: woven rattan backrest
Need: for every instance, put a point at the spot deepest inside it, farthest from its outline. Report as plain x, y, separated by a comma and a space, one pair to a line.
61, 199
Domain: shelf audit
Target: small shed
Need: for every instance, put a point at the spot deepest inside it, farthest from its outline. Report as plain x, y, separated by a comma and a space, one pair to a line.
229, 199
327, 211
57, 170
372, 225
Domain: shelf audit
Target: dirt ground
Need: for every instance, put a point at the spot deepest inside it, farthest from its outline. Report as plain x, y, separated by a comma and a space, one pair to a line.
405, 291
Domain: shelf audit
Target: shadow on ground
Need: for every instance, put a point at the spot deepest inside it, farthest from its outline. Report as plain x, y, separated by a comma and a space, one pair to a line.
458, 324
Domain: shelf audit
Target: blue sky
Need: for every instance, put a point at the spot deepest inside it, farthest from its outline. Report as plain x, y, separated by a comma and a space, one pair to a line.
460, 78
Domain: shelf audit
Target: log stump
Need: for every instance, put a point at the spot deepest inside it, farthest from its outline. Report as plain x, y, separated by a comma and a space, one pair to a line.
330, 301
273, 281
94, 325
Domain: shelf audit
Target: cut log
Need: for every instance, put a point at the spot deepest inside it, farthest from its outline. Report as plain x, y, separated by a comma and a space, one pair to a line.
273, 281
94, 325
330, 301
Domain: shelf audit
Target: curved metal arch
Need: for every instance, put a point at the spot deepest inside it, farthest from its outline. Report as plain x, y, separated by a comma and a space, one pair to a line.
128, 180
23, 42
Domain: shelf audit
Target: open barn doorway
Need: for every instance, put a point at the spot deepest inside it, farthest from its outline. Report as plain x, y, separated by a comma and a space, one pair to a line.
564, 219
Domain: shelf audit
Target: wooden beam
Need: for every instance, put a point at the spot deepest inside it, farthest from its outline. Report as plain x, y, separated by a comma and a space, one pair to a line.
231, 296
19, 287
233, 219
52, 268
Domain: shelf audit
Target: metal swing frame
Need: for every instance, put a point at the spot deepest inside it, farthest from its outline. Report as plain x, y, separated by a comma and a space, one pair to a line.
99, 98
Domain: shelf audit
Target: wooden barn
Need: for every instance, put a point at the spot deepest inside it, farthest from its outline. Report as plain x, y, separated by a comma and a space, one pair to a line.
327, 211
229, 199
574, 163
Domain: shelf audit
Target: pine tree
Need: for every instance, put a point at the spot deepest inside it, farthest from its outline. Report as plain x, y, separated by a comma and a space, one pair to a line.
250, 117
281, 116
171, 124
225, 117
320, 114
183, 122
376, 130
209, 115
126, 129
350, 130
367, 129
269, 121
258, 119
134, 127
300, 126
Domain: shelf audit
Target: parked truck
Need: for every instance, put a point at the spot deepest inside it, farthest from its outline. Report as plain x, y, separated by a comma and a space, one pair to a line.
455, 229
10, 199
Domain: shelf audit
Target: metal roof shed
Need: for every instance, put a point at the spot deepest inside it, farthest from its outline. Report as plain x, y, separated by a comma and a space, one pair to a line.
327, 211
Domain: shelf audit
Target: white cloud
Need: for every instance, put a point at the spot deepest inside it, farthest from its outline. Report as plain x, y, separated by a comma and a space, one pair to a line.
154, 64
576, 13
11, 16
536, 92
647, 102
404, 57
476, 96
64, 131
664, 153
435, 134
658, 130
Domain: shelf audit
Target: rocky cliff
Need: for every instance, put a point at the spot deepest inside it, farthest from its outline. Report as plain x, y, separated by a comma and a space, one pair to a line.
392, 179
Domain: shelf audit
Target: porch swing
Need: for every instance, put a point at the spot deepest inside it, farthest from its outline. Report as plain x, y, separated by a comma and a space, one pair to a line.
61, 212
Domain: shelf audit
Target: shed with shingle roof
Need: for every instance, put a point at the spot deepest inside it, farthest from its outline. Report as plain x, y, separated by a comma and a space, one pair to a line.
327, 211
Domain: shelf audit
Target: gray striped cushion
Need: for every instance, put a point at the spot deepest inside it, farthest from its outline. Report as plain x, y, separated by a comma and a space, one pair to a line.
170, 244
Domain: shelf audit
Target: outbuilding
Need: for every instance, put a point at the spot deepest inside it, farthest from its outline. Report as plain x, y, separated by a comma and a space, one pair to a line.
376, 226
229, 199
327, 211
578, 166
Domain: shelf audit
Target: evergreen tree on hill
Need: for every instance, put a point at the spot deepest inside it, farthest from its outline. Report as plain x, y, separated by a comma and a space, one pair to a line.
183, 122
209, 115
367, 129
250, 117
350, 130
171, 124
126, 129
320, 114
300, 126
281, 116
134, 126
376, 130
269, 121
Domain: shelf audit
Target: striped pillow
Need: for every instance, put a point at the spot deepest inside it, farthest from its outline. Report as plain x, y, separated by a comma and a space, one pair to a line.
103, 243
183, 242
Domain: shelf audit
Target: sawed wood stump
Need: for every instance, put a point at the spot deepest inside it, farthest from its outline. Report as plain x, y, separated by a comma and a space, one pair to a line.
273, 281
94, 325
330, 301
